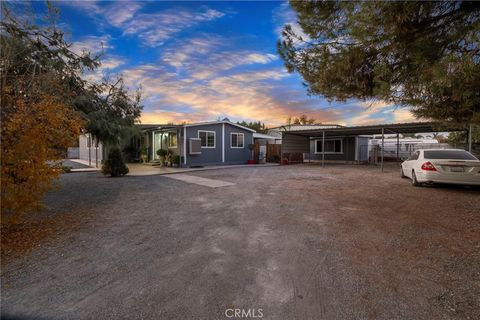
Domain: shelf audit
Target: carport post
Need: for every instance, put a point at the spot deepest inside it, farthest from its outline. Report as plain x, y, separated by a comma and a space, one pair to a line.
470, 127
383, 145
398, 146
323, 148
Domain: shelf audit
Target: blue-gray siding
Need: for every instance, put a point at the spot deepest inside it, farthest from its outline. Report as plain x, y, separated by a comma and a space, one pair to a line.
236, 155
213, 156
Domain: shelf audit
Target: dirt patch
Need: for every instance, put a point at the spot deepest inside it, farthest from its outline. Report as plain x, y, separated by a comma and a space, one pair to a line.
300, 242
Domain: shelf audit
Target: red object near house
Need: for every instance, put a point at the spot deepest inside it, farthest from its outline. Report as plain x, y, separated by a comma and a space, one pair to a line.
285, 161
251, 161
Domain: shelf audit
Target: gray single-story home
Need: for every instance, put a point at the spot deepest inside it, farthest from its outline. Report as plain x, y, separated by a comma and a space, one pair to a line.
200, 144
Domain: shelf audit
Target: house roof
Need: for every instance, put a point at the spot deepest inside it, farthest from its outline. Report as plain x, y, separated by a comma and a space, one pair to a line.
217, 122
147, 127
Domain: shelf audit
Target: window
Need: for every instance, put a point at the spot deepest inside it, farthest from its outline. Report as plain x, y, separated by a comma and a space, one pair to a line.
236, 140
414, 156
448, 154
172, 139
331, 146
207, 139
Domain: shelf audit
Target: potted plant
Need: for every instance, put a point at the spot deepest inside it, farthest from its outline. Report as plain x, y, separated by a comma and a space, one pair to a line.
251, 147
176, 161
162, 153
143, 154
168, 159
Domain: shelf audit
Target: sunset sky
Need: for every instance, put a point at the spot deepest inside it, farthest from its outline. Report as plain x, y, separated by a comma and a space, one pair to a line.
198, 61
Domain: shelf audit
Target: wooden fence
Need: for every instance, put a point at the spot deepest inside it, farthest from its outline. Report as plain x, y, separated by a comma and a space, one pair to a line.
274, 152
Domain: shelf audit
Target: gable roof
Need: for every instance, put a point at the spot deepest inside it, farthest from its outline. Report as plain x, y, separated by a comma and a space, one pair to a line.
218, 122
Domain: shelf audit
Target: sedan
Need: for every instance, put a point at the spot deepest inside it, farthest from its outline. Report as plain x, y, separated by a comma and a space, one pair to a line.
451, 166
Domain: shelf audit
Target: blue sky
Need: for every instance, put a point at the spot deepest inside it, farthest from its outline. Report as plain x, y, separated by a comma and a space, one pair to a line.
198, 61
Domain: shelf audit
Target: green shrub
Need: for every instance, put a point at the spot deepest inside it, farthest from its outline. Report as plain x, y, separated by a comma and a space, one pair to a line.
161, 153
66, 169
115, 165
176, 159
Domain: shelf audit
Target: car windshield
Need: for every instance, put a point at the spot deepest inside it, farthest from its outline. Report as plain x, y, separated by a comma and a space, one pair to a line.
448, 154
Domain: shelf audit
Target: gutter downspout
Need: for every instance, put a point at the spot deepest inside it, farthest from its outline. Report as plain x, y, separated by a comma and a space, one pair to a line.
223, 142
323, 148
356, 151
185, 146
383, 145
398, 147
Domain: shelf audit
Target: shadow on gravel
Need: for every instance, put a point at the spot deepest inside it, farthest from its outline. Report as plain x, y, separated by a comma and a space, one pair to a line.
453, 187
19, 317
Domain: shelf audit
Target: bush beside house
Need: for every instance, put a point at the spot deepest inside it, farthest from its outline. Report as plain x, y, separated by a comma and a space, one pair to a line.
115, 165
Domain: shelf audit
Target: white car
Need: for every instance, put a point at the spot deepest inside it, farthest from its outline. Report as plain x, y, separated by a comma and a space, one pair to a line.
452, 166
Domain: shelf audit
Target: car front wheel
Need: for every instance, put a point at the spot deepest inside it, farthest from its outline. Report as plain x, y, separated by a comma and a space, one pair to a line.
414, 180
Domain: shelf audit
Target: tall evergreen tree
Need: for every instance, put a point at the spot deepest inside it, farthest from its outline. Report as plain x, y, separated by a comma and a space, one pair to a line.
424, 55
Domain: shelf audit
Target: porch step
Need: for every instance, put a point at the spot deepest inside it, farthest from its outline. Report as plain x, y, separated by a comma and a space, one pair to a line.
152, 163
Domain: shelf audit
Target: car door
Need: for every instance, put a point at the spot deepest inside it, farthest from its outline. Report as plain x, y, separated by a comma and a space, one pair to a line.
410, 163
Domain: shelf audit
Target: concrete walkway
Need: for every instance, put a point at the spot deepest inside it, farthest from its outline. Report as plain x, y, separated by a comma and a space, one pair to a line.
212, 183
138, 169
85, 164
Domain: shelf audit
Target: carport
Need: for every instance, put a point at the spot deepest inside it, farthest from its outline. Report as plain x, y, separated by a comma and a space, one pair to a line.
294, 144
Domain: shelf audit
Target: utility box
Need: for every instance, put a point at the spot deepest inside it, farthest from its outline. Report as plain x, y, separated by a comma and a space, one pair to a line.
195, 146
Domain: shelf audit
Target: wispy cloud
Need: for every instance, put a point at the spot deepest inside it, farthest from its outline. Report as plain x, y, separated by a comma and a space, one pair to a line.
209, 55
93, 44
112, 62
200, 74
242, 95
404, 115
155, 28
120, 12
284, 15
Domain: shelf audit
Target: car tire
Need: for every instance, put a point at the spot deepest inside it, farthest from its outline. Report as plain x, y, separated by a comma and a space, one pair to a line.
414, 180
402, 174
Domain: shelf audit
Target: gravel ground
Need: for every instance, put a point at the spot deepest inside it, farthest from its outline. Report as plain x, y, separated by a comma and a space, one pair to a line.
298, 242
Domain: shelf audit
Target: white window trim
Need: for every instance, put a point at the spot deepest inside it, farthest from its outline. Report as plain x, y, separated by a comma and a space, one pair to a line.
243, 140
168, 140
214, 139
341, 146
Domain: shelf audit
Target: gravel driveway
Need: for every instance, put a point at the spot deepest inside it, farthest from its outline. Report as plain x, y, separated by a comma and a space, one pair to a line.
298, 242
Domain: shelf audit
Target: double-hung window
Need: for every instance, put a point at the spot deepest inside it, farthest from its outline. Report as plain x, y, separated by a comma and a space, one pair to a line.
207, 138
172, 139
331, 146
237, 140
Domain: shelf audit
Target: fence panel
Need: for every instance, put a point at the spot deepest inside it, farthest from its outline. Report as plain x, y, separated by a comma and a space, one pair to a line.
274, 152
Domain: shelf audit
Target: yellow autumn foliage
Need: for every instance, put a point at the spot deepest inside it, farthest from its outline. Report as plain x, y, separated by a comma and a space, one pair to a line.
35, 136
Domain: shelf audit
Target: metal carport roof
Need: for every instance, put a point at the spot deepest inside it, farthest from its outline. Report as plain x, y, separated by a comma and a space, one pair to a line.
398, 128
412, 127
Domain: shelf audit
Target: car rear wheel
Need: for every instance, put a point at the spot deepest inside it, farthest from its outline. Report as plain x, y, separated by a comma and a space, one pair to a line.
401, 173
414, 180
